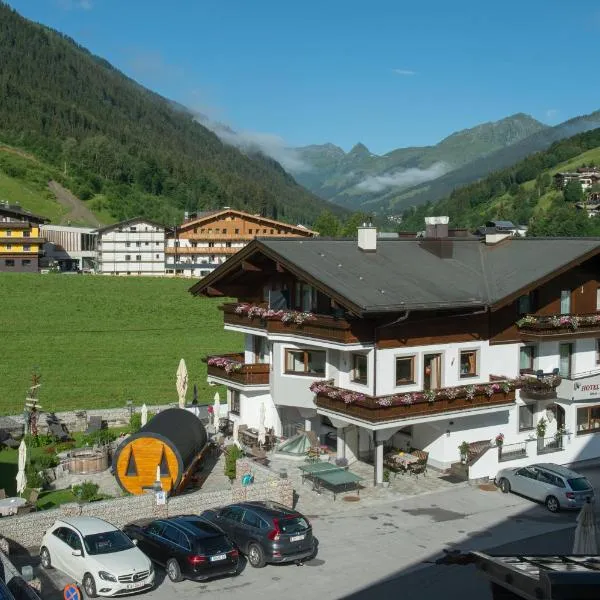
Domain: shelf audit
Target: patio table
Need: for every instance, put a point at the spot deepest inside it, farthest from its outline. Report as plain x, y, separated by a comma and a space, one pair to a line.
404, 459
329, 474
9, 506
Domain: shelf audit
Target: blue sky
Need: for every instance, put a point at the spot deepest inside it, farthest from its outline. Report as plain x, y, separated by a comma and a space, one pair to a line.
388, 73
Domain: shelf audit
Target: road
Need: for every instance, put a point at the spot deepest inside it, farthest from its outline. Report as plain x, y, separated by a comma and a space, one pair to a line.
384, 550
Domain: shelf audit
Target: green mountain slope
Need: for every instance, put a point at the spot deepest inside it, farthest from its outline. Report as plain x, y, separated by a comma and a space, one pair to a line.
118, 140
523, 193
360, 179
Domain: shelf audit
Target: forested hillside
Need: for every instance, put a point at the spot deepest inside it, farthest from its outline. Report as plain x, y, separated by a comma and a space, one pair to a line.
118, 143
524, 193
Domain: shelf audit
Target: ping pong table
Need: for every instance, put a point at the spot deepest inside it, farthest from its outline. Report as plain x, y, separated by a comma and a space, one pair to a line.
327, 474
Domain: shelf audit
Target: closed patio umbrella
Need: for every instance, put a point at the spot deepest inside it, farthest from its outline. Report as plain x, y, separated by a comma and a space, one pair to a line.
21, 477
216, 409
144, 414
262, 434
586, 532
236, 431
182, 382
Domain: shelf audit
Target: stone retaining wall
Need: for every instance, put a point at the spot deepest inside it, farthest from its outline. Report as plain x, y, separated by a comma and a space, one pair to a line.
27, 530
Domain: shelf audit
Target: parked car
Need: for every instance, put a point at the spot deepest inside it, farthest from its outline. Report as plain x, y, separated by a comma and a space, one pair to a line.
266, 532
97, 555
554, 485
189, 547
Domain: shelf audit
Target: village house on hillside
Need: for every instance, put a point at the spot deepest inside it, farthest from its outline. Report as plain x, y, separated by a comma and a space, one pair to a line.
423, 343
206, 240
132, 247
20, 239
587, 176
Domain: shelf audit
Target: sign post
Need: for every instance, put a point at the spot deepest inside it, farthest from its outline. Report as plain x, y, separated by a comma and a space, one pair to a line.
71, 592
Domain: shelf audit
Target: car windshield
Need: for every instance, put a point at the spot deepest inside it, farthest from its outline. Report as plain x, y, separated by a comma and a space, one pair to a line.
580, 484
293, 525
107, 542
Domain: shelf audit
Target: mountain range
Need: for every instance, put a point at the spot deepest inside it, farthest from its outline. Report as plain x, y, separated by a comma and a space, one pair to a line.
122, 148
388, 184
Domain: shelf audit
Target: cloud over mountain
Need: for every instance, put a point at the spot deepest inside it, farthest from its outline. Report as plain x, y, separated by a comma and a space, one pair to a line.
402, 179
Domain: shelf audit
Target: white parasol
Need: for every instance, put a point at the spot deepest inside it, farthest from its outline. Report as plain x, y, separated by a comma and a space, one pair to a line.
144, 414
216, 409
586, 532
236, 431
262, 434
21, 477
182, 382
157, 472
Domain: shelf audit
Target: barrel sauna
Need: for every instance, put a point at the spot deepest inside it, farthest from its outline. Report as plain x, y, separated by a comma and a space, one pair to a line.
174, 439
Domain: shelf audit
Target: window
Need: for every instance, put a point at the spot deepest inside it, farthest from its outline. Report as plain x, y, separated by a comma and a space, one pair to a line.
27, 234
598, 298
306, 297
359, 368
253, 520
272, 232
157, 255
468, 364
177, 537
526, 417
26, 262
158, 243
264, 231
588, 420
128, 257
9, 262
127, 244
527, 358
211, 244
138, 257
133, 229
305, 362
524, 304
235, 402
138, 244
147, 244
9, 233
405, 370
155, 528
225, 230
249, 230
237, 231
9, 246
565, 352
26, 247
232, 513
227, 244
565, 302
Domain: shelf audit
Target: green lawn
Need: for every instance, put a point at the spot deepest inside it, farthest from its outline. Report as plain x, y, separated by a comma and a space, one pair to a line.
99, 341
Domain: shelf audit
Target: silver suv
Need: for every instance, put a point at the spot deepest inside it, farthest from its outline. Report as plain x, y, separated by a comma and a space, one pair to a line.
554, 485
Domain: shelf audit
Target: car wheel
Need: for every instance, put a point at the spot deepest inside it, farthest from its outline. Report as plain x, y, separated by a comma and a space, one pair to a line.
256, 556
505, 486
45, 558
173, 570
552, 504
89, 585
315, 550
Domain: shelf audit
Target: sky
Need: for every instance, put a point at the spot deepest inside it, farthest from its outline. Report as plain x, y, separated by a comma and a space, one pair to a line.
387, 73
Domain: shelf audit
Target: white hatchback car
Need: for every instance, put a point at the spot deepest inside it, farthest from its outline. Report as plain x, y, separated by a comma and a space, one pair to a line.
96, 555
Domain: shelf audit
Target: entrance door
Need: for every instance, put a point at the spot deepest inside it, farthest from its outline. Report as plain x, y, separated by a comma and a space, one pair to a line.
432, 371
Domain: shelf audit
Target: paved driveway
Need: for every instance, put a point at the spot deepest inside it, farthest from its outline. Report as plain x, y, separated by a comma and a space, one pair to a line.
368, 545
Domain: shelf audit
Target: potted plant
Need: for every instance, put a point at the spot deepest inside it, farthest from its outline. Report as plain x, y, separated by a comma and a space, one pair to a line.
541, 427
464, 452
386, 478
499, 439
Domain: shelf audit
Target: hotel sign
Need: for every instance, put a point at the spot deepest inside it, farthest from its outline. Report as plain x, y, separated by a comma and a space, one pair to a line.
585, 388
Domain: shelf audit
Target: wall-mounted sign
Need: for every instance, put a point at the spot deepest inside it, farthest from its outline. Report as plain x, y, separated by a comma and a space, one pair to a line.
586, 387
161, 498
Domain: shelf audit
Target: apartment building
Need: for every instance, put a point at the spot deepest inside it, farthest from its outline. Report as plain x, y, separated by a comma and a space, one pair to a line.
426, 343
132, 247
20, 239
73, 248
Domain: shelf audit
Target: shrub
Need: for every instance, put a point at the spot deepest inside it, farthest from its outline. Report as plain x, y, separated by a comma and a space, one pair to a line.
62, 446
34, 479
135, 422
45, 461
38, 441
86, 491
103, 436
232, 454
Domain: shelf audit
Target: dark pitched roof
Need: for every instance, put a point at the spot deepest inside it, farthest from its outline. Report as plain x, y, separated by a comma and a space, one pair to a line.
128, 222
17, 212
403, 274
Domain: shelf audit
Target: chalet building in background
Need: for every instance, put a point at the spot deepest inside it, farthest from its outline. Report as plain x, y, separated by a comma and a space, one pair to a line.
20, 239
587, 176
423, 343
206, 240
132, 247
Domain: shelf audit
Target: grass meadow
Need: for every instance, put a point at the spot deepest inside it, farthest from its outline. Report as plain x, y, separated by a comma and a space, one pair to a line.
99, 341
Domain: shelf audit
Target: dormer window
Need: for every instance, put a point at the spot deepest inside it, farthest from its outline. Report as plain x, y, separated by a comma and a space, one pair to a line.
133, 229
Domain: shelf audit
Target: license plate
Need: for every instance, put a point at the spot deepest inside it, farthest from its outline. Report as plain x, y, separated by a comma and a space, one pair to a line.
135, 586
297, 538
218, 557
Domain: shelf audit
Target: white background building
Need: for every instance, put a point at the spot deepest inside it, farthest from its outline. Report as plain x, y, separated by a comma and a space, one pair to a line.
133, 247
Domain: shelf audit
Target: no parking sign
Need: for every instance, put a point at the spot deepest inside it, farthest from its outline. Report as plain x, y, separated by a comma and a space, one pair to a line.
71, 592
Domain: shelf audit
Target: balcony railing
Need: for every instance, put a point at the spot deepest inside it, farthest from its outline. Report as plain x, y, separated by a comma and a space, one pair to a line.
292, 322
548, 445
201, 250
232, 367
535, 326
404, 406
540, 386
508, 452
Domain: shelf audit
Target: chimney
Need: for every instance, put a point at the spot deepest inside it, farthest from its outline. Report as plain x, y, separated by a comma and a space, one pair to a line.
436, 227
367, 238
496, 237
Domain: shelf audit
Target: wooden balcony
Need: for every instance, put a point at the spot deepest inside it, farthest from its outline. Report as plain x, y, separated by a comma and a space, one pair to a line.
288, 322
535, 327
232, 367
419, 404
201, 250
539, 386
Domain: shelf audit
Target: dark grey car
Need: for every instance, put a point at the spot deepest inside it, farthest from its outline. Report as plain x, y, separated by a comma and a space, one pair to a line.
266, 532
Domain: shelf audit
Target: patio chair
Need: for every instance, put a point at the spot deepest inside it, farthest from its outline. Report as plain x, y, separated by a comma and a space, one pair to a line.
417, 469
2, 494
94, 424
422, 456
58, 431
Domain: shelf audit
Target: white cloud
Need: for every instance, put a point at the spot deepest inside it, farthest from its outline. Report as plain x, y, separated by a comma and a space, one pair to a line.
402, 179
405, 72
268, 143
552, 113
76, 4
